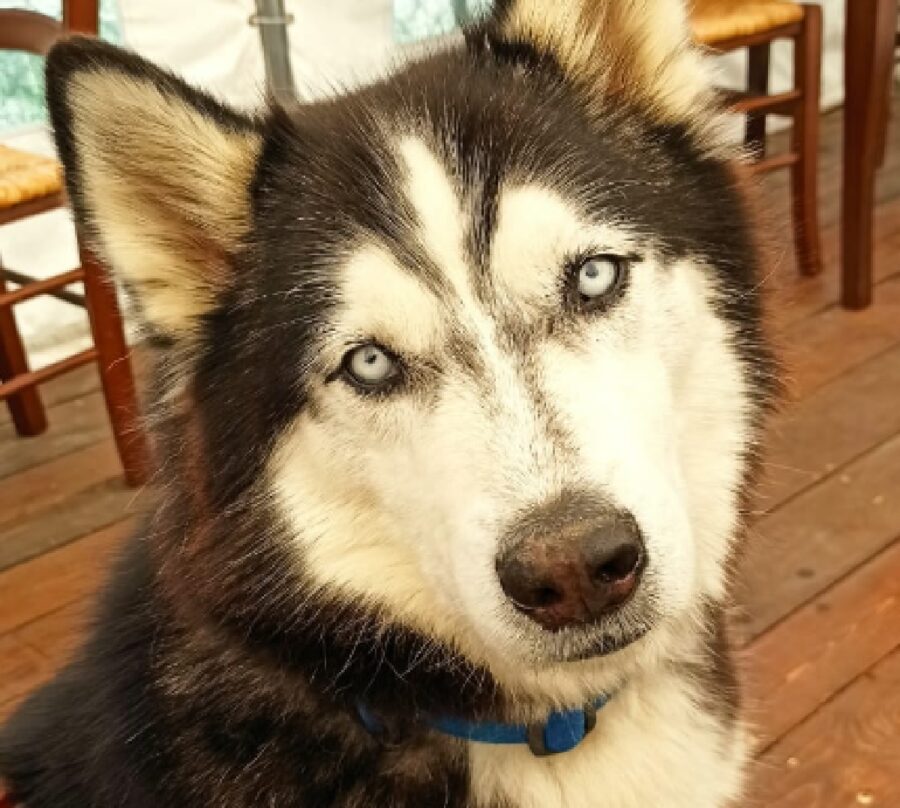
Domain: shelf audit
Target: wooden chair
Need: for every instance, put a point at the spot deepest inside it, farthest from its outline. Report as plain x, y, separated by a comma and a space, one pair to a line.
31, 184
726, 25
870, 46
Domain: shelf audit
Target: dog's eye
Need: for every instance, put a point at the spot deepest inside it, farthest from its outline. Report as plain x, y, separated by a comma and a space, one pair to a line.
370, 367
598, 279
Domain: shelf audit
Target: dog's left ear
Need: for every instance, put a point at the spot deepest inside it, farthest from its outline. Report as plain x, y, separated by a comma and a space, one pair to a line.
159, 175
636, 49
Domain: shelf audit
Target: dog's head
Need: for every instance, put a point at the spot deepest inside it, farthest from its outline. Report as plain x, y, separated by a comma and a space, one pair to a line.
481, 339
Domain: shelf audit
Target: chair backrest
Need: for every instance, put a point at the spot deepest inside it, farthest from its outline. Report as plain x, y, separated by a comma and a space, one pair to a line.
28, 31
35, 33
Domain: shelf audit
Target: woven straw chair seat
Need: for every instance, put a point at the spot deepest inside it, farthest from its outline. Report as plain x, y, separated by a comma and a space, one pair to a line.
714, 21
25, 176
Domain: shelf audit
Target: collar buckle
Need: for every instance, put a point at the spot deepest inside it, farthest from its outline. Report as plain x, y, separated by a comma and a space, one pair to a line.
562, 731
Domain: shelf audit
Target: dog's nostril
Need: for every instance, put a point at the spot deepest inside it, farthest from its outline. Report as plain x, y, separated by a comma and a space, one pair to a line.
575, 576
546, 596
529, 585
618, 566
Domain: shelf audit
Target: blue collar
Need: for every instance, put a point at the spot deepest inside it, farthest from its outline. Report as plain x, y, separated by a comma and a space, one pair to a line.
562, 731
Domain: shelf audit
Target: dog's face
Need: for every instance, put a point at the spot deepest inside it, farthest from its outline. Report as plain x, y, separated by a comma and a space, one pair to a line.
482, 337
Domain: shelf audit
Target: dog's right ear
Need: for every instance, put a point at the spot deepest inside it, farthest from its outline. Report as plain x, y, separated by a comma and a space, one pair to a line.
159, 175
634, 49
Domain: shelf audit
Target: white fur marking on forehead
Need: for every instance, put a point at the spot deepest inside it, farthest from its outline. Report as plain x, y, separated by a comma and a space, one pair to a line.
439, 210
384, 301
537, 230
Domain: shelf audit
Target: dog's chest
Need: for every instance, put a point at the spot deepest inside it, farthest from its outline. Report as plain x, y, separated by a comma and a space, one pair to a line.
648, 749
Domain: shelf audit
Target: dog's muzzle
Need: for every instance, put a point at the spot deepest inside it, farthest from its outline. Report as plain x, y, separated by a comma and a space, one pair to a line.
562, 572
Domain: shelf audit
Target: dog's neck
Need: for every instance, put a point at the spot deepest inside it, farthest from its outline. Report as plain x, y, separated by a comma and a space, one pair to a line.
561, 730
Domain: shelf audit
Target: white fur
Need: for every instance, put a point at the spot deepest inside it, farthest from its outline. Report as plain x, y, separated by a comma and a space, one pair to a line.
653, 747
537, 231
382, 301
652, 395
439, 208
401, 502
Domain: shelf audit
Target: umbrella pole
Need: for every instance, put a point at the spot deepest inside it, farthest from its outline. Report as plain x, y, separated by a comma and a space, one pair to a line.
272, 21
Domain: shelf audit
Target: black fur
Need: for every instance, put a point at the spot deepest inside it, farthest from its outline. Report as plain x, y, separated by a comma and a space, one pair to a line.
212, 677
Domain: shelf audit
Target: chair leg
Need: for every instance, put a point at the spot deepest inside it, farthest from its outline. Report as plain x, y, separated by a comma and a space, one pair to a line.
115, 370
868, 64
758, 84
805, 141
25, 407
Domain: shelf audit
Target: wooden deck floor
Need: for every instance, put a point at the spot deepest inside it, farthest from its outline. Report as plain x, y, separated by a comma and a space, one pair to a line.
819, 587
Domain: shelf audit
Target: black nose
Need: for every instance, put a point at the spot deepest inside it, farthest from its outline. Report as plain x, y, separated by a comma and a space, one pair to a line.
576, 573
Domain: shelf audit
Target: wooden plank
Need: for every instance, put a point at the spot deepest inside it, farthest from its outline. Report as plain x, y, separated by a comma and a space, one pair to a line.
74, 425
814, 437
31, 655
815, 539
24, 496
91, 509
819, 350
846, 754
76, 384
21, 669
794, 298
56, 635
7, 708
56, 579
793, 669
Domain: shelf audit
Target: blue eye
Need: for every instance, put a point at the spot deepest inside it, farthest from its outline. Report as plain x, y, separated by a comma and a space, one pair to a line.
370, 366
599, 278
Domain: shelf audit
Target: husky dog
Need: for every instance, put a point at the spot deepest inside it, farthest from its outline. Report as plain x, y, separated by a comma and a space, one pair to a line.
460, 381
